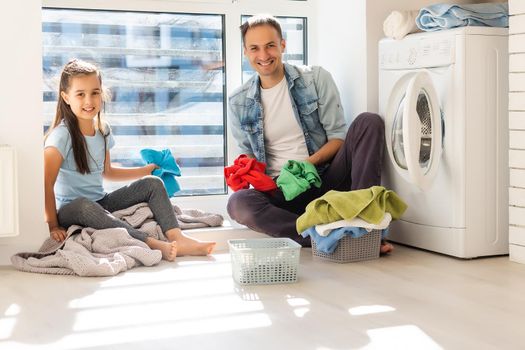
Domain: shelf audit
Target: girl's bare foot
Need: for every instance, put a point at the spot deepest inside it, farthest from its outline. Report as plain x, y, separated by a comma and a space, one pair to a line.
187, 245
168, 249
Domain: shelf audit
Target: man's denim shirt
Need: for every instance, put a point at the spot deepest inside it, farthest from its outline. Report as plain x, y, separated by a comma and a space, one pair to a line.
315, 102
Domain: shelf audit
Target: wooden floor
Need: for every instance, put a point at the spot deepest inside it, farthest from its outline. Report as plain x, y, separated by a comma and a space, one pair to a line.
410, 300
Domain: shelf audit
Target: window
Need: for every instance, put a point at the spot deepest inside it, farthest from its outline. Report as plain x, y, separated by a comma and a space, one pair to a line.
166, 75
294, 32
165, 64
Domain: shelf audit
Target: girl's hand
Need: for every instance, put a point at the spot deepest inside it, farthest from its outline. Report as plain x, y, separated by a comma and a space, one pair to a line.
57, 233
152, 167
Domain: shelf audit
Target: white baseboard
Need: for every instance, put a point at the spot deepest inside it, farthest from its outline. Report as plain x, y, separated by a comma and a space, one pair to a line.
517, 253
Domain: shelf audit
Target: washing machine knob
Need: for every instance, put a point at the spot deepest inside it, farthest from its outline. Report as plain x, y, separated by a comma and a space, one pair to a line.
412, 55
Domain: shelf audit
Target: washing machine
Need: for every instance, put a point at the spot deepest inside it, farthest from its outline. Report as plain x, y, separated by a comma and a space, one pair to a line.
444, 98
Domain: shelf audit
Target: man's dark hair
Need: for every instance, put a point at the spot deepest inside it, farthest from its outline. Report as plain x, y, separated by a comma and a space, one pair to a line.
259, 20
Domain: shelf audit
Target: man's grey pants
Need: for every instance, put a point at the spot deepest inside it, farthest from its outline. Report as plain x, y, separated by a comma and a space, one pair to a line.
356, 165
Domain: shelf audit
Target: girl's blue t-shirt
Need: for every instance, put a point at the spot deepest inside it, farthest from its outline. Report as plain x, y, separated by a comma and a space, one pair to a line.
70, 184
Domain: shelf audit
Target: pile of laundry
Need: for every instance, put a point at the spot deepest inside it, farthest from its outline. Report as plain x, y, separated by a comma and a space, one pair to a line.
445, 16
337, 214
295, 177
107, 252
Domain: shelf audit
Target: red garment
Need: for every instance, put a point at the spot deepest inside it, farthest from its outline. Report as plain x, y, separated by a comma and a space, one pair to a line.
247, 171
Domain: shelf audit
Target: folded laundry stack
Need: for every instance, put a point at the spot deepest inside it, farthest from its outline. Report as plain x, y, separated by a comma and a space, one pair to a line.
446, 16
106, 252
400, 23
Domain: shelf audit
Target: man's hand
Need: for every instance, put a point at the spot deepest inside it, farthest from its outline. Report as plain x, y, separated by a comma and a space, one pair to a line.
326, 153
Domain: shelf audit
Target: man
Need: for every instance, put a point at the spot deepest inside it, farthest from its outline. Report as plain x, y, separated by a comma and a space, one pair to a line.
287, 112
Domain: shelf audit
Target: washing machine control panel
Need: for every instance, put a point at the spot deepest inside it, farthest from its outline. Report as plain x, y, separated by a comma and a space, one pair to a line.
417, 52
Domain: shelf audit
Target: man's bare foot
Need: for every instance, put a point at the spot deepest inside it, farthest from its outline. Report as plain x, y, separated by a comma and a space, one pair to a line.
187, 245
168, 249
385, 248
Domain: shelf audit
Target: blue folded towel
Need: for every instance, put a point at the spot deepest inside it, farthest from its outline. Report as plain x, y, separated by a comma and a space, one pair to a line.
168, 167
328, 244
446, 16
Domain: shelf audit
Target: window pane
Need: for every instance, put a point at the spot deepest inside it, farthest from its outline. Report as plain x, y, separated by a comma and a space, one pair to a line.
166, 75
294, 32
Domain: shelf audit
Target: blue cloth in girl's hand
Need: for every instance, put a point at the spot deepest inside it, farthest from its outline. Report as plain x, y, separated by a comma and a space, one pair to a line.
168, 167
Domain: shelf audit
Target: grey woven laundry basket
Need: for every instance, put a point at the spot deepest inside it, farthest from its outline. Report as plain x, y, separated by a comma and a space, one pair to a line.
351, 249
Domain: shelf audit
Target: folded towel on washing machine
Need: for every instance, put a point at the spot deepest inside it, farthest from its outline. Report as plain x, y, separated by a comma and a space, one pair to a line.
446, 16
400, 23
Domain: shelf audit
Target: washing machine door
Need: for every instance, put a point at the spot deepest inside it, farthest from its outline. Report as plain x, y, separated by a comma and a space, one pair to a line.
414, 129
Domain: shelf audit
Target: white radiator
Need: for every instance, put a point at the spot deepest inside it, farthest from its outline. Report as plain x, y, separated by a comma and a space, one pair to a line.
8, 192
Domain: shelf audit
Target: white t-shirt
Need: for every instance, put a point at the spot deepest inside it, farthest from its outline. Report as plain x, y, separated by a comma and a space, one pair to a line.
283, 136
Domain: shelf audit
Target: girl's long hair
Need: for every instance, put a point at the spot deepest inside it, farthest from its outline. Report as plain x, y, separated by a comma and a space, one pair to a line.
75, 68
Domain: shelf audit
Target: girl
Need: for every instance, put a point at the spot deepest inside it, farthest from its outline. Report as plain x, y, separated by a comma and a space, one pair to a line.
76, 158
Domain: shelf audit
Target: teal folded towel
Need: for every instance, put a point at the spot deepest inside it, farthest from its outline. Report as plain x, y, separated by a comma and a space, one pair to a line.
168, 168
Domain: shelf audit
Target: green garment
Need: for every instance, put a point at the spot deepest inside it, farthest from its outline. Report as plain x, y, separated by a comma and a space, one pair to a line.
368, 204
296, 177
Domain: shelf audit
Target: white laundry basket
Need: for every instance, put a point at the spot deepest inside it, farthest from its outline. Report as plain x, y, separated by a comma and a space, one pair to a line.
264, 260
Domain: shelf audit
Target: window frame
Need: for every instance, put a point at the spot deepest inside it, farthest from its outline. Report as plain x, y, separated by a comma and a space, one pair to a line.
232, 10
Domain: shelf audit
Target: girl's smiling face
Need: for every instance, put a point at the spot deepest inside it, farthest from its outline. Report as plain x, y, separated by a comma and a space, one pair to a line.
84, 96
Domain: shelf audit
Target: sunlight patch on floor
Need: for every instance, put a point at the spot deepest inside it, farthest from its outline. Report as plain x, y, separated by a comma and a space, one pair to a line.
184, 269
299, 305
12, 310
164, 311
152, 332
369, 309
168, 291
400, 337
7, 325
297, 302
301, 311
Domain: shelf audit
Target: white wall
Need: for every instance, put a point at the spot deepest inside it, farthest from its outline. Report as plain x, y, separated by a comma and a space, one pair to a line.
517, 130
21, 101
341, 48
